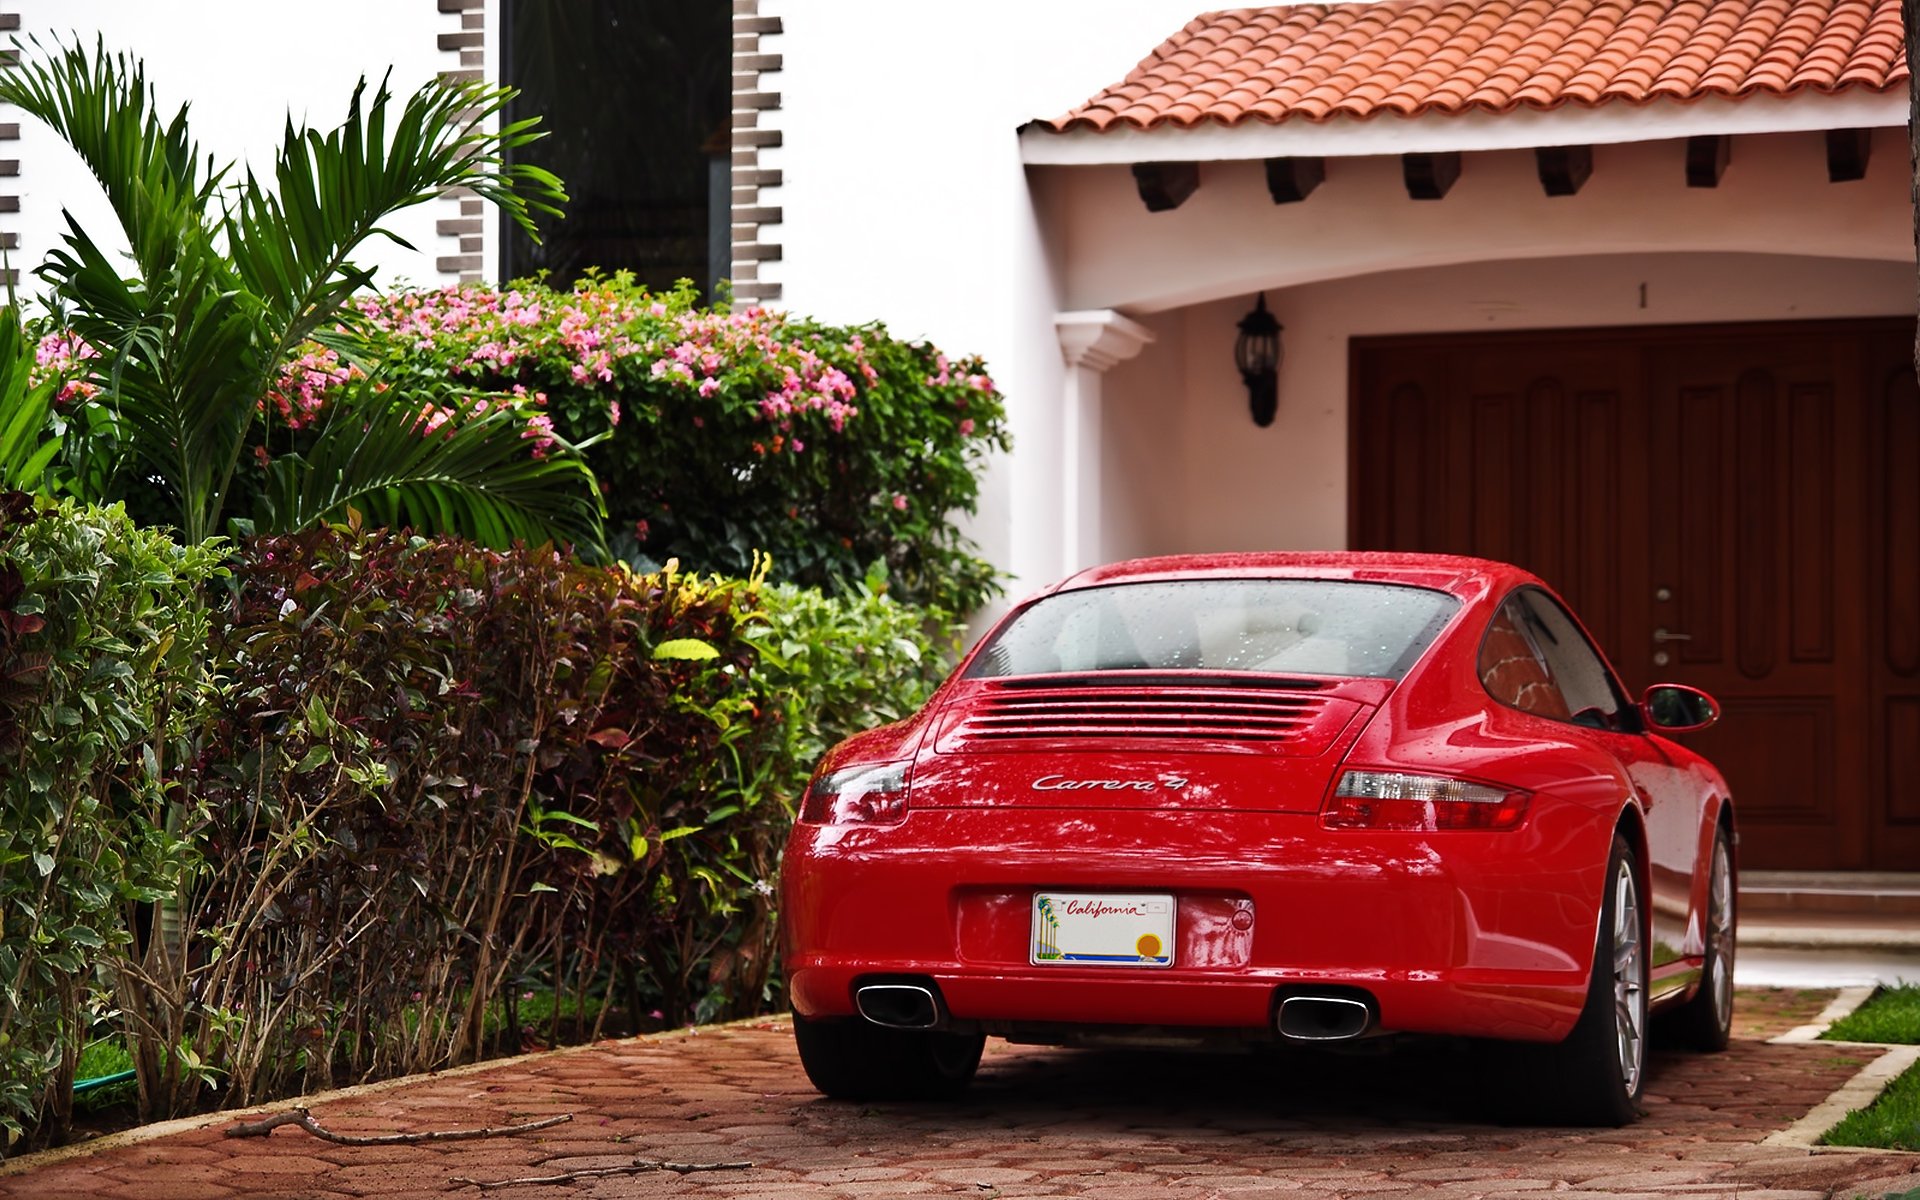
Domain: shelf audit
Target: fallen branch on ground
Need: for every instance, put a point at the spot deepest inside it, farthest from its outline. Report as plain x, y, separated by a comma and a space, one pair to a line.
304, 1119
638, 1166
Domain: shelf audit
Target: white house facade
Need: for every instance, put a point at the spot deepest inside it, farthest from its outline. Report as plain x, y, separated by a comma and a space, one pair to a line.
1622, 293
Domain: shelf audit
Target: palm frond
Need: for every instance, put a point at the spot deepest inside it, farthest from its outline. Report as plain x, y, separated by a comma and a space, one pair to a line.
216, 304
29, 439
333, 191
182, 366
475, 476
103, 106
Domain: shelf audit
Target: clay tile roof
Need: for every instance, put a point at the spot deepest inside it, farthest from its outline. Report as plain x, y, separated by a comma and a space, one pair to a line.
1453, 56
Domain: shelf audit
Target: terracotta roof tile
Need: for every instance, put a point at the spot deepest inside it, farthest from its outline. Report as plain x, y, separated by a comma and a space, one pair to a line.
1410, 57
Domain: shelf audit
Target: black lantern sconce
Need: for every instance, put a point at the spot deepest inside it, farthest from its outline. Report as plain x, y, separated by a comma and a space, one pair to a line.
1257, 353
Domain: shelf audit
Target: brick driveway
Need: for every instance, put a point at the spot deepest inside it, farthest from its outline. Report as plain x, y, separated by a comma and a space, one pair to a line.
1040, 1122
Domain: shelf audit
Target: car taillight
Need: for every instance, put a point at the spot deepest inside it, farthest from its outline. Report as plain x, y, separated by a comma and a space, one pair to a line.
1399, 800
873, 794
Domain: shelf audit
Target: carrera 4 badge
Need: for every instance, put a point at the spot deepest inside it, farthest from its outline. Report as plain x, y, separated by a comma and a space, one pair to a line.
1061, 783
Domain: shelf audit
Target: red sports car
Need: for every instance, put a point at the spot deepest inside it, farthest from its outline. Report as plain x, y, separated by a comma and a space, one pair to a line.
1268, 798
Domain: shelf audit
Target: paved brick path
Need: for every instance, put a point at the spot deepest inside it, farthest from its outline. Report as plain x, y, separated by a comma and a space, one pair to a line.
1040, 1122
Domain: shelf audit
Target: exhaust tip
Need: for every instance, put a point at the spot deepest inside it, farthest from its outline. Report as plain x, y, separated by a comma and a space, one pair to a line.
898, 1005
1324, 1018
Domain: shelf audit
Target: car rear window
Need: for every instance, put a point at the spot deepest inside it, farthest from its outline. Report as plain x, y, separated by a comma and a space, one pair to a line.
1270, 626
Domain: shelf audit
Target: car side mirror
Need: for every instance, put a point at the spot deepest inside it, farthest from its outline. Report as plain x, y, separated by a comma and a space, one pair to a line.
1677, 708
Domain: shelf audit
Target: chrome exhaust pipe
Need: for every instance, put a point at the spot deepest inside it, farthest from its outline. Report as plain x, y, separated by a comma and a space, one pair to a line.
898, 1005
1324, 1018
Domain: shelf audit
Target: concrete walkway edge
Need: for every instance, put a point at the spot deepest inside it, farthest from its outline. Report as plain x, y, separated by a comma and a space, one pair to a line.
1842, 1006
1863, 1089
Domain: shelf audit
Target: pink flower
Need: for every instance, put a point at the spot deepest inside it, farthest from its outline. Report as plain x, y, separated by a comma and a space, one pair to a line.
900, 502
966, 427
613, 412
540, 430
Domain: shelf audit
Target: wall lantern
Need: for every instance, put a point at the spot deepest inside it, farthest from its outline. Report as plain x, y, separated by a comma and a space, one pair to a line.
1257, 353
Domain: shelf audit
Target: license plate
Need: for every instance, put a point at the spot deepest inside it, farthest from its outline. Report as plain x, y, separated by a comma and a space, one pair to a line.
1102, 929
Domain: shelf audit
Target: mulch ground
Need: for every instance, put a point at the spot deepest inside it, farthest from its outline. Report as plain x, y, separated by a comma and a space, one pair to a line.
1039, 1122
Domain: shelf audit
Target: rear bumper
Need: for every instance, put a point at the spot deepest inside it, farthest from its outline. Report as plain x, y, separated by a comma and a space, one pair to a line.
1469, 933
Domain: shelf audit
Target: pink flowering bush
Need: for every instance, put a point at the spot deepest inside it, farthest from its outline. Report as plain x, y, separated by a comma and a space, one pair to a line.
64, 356
831, 448
300, 390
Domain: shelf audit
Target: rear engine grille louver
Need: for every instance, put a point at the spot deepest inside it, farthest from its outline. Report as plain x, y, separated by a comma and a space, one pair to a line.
1230, 714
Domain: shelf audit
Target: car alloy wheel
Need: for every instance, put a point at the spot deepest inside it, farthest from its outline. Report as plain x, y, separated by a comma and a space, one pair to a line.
1720, 934
1594, 1076
1629, 978
1706, 1021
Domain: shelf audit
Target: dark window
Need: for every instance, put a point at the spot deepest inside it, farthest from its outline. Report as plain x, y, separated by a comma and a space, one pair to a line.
635, 98
1512, 669
1568, 679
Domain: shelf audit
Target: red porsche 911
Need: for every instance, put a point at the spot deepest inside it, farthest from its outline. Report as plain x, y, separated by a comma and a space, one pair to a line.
1281, 798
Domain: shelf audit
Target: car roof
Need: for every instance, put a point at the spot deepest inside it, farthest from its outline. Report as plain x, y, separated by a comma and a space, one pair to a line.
1456, 574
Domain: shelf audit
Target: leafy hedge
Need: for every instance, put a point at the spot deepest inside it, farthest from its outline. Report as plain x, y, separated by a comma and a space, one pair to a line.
102, 642
435, 777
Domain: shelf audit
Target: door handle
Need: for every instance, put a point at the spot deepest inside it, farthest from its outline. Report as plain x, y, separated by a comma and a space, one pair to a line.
1660, 636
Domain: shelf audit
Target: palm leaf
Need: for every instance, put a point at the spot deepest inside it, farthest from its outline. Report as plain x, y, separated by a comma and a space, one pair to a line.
475, 476
332, 191
181, 357
28, 437
217, 304
103, 107
290, 247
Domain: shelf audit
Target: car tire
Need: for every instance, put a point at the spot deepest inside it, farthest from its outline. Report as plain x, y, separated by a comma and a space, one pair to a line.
853, 1059
1595, 1075
1705, 1022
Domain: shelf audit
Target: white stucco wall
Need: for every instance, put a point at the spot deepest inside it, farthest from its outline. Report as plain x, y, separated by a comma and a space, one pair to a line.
243, 66
1188, 471
904, 197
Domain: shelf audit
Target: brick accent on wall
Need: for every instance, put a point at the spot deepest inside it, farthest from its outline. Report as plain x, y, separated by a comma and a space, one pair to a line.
461, 225
9, 164
753, 104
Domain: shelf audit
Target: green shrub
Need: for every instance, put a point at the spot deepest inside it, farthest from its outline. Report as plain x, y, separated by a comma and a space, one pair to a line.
830, 448
437, 770
442, 775
825, 667
842, 664
102, 639
434, 778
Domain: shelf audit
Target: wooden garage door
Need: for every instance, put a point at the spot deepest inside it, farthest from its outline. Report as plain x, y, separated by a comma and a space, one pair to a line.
1735, 507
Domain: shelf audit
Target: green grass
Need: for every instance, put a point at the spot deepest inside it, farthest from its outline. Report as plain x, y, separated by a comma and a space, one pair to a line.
536, 1013
1892, 1014
1890, 1123
105, 1057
